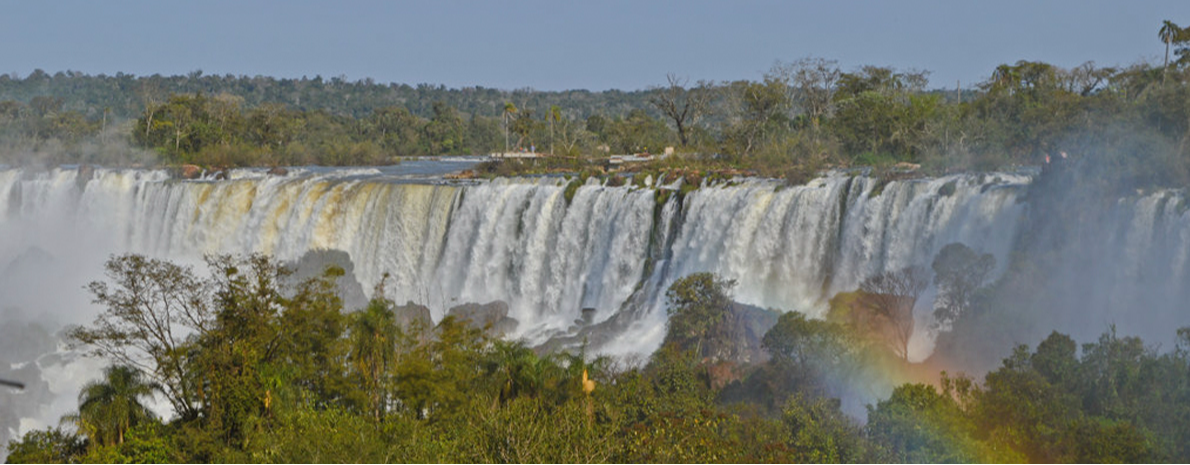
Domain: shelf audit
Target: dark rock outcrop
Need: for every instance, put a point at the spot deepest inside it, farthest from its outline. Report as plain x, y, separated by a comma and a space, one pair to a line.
188, 172
491, 317
85, 174
314, 263
413, 316
748, 326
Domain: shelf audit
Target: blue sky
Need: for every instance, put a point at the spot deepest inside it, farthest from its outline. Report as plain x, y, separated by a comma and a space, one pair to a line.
571, 45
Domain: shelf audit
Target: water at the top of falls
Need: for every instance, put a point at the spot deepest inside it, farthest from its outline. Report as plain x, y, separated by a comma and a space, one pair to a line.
517, 240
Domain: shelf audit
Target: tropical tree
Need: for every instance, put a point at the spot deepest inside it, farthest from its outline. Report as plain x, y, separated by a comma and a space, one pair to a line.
234, 361
524, 126
958, 273
760, 112
805, 350
699, 312
520, 371
398, 131
51, 445
110, 407
1168, 32
918, 424
374, 335
151, 305
445, 131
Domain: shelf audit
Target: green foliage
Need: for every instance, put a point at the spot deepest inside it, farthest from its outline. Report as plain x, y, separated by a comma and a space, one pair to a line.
820, 433
808, 356
51, 445
374, 337
958, 274
1105, 441
311, 346
532, 430
1118, 402
679, 382
571, 189
331, 436
109, 408
794, 120
637, 132
920, 425
277, 372
146, 443
698, 314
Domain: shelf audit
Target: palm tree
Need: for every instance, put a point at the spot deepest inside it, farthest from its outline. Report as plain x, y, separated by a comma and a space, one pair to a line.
110, 407
520, 370
374, 335
1169, 31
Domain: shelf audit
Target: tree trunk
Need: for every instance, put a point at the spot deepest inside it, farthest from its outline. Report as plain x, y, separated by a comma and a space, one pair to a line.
1165, 67
148, 125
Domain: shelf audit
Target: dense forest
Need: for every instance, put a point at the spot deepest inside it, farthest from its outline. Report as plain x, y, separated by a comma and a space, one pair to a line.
261, 367
798, 118
262, 363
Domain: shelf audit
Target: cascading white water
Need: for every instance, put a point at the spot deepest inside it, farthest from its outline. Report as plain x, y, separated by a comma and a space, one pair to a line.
794, 248
615, 249
520, 241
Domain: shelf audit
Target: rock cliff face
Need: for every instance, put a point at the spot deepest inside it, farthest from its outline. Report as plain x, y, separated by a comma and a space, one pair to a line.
412, 316
491, 317
748, 326
314, 263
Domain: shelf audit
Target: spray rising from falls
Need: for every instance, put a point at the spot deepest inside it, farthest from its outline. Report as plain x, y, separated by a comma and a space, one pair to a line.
547, 250
525, 242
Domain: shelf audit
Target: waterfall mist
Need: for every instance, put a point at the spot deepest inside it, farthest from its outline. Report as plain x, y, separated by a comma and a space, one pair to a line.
549, 254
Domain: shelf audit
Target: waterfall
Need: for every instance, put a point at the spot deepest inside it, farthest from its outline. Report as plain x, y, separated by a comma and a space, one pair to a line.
793, 248
549, 251
521, 240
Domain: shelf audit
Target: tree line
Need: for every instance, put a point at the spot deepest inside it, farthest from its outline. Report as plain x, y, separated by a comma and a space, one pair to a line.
799, 117
261, 367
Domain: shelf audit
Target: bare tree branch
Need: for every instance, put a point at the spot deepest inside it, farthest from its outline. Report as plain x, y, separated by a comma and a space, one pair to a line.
153, 307
683, 106
891, 296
